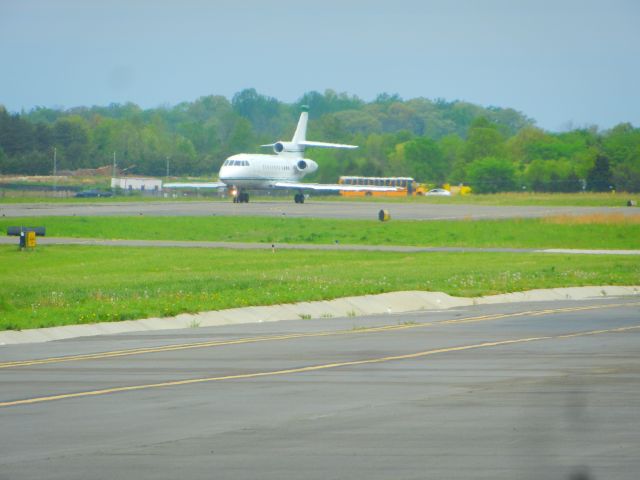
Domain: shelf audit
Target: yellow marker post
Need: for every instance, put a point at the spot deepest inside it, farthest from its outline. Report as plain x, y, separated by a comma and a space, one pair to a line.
384, 216
31, 239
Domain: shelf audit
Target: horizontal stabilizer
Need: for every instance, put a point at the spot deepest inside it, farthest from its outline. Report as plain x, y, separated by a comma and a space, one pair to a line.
308, 143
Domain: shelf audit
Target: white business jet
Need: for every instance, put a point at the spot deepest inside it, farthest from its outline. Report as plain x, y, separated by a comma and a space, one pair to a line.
284, 170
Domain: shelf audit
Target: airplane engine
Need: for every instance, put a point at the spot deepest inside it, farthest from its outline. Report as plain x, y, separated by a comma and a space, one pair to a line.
280, 147
306, 166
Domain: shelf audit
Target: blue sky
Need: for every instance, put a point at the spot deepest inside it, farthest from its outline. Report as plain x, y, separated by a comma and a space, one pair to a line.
563, 63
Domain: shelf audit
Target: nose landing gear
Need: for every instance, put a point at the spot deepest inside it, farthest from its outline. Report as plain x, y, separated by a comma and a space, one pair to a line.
298, 198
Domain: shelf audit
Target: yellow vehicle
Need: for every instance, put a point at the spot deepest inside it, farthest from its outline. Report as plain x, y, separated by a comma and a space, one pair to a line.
405, 186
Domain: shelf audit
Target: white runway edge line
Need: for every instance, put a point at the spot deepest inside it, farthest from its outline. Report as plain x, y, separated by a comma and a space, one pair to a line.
574, 251
382, 304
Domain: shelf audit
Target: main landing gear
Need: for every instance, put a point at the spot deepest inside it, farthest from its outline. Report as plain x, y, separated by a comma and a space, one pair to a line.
241, 197
298, 198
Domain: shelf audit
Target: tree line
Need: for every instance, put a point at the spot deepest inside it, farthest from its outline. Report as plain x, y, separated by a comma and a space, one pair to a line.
435, 141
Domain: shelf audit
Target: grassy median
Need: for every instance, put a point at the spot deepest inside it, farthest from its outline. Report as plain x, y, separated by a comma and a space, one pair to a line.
598, 231
60, 285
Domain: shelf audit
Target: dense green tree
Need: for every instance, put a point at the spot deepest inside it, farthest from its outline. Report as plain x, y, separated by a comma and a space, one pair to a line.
259, 110
483, 140
241, 137
71, 137
599, 178
622, 146
431, 140
452, 147
426, 161
3, 161
16, 134
330, 102
491, 175
626, 177
552, 176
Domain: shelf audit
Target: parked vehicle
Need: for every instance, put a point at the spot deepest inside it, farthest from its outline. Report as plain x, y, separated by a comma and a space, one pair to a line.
93, 194
439, 192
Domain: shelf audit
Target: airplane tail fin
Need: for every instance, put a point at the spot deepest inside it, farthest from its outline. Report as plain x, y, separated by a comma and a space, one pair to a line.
301, 130
299, 141
300, 136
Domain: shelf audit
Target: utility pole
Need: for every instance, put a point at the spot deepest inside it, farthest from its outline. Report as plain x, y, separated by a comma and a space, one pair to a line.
167, 176
55, 169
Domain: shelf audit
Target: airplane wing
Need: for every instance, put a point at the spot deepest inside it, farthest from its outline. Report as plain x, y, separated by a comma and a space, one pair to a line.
333, 187
195, 185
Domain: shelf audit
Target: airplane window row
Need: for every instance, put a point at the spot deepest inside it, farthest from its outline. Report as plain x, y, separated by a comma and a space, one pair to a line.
235, 163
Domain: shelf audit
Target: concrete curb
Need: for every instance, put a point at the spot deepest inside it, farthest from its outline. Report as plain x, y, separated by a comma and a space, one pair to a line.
385, 303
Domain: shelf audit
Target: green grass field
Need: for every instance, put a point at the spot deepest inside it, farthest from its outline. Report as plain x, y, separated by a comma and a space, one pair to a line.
60, 285
595, 231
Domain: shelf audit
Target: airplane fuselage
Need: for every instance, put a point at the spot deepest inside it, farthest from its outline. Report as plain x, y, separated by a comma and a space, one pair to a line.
259, 171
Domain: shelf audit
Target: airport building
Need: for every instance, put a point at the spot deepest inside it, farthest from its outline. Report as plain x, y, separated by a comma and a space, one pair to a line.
137, 183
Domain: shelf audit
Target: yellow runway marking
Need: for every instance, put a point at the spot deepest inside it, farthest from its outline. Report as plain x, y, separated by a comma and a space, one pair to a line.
273, 338
311, 368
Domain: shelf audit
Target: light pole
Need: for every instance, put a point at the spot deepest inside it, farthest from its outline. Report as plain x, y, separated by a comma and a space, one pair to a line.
55, 169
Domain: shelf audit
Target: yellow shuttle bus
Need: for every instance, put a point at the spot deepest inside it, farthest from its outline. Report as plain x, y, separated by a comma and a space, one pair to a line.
406, 186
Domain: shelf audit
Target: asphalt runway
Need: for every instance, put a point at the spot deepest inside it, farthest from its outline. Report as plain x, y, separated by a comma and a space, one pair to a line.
312, 208
526, 391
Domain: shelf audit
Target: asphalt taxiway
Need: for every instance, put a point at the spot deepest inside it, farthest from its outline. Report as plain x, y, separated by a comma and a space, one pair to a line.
501, 391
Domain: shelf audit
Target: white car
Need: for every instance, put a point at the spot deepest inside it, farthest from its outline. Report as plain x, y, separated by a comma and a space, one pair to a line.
439, 192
